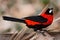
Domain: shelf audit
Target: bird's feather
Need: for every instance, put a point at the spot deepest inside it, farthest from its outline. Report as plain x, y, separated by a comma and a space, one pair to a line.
37, 18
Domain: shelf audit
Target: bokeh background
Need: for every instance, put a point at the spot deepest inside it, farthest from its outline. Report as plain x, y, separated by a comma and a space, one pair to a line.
24, 8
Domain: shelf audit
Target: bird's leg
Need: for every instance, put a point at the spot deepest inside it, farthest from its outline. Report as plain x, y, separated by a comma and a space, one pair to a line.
35, 29
40, 31
43, 33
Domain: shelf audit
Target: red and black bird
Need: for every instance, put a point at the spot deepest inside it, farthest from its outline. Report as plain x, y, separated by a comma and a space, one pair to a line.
36, 22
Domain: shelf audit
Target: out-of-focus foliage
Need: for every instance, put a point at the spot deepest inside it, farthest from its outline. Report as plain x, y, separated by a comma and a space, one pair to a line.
18, 27
11, 3
27, 1
1, 12
56, 7
8, 30
45, 1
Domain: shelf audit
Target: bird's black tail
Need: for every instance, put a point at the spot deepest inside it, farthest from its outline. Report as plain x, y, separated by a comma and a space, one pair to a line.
13, 19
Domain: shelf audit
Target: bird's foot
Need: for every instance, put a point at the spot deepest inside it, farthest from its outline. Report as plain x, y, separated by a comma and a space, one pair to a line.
42, 32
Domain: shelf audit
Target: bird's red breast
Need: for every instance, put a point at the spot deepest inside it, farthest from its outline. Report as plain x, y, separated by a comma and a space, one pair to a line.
48, 17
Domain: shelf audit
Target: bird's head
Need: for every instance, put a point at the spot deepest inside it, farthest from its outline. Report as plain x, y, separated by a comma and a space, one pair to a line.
49, 11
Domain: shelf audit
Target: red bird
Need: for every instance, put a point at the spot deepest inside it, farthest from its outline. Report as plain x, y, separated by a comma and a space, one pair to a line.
36, 22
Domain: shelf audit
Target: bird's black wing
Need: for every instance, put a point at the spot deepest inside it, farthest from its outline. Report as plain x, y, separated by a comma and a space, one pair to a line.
36, 18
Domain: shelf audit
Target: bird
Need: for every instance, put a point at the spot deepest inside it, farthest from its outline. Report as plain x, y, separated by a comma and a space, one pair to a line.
37, 22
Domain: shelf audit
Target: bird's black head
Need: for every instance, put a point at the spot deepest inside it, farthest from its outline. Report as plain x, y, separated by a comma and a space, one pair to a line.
49, 11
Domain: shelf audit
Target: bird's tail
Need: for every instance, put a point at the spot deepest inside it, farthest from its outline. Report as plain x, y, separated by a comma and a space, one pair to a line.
13, 19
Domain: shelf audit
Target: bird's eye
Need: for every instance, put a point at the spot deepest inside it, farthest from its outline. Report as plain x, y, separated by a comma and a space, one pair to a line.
50, 11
